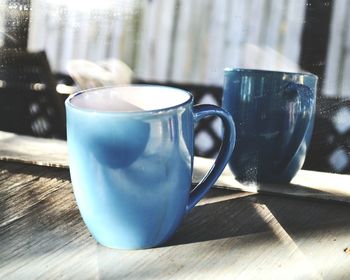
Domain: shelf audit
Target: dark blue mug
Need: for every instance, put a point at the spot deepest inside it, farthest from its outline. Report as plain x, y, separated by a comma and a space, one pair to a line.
131, 161
274, 116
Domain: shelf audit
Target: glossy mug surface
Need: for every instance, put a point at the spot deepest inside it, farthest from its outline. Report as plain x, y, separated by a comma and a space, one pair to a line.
274, 116
131, 159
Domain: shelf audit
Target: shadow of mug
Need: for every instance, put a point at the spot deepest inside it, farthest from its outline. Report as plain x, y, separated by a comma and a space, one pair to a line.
274, 115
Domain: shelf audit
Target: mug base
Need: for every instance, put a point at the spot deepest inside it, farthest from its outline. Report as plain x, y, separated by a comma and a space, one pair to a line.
125, 247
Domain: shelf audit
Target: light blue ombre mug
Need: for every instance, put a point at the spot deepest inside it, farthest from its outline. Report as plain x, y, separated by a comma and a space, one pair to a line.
131, 161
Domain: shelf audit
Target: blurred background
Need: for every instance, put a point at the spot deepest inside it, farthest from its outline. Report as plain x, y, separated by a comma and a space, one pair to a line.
49, 49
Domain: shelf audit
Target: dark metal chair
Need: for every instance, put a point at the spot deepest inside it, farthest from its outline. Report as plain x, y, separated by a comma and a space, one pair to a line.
29, 103
330, 144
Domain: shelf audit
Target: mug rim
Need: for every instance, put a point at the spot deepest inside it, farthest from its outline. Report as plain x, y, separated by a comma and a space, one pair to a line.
239, 69
189, 100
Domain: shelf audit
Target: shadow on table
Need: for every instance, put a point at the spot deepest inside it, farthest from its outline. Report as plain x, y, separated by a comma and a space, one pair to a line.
218, 220
36, 207
256, 214
258, 227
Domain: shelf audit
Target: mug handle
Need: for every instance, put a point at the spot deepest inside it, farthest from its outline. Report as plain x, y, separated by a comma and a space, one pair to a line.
305, 95
227, 146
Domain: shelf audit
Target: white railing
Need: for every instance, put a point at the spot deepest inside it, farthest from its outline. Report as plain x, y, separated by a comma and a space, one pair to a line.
185, 40
337, 76
174, 40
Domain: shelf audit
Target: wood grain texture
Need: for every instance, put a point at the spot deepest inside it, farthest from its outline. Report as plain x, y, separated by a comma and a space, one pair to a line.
229, 235
307, 184
27, 149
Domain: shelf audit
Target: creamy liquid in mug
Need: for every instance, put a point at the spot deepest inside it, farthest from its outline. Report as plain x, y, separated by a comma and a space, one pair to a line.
130, 99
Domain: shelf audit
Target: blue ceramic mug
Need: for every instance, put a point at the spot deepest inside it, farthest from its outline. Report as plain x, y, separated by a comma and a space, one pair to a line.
274, 116
131, 159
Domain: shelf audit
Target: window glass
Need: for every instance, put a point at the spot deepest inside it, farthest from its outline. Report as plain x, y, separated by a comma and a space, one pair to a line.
186, 43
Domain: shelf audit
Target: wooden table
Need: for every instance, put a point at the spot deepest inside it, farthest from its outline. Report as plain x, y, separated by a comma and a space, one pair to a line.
230, 234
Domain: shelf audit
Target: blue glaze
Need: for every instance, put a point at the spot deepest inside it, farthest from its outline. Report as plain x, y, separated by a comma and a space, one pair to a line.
131, 171
274, 117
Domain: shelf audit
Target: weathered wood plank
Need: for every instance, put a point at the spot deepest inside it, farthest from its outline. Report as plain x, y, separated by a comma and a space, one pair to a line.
228, 235
40, 151
307, 184
38, 218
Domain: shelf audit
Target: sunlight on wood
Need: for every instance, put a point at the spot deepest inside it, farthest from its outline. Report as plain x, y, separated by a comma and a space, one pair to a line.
299, 259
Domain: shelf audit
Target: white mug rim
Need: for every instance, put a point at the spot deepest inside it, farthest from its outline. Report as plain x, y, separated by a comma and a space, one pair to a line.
188, 100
